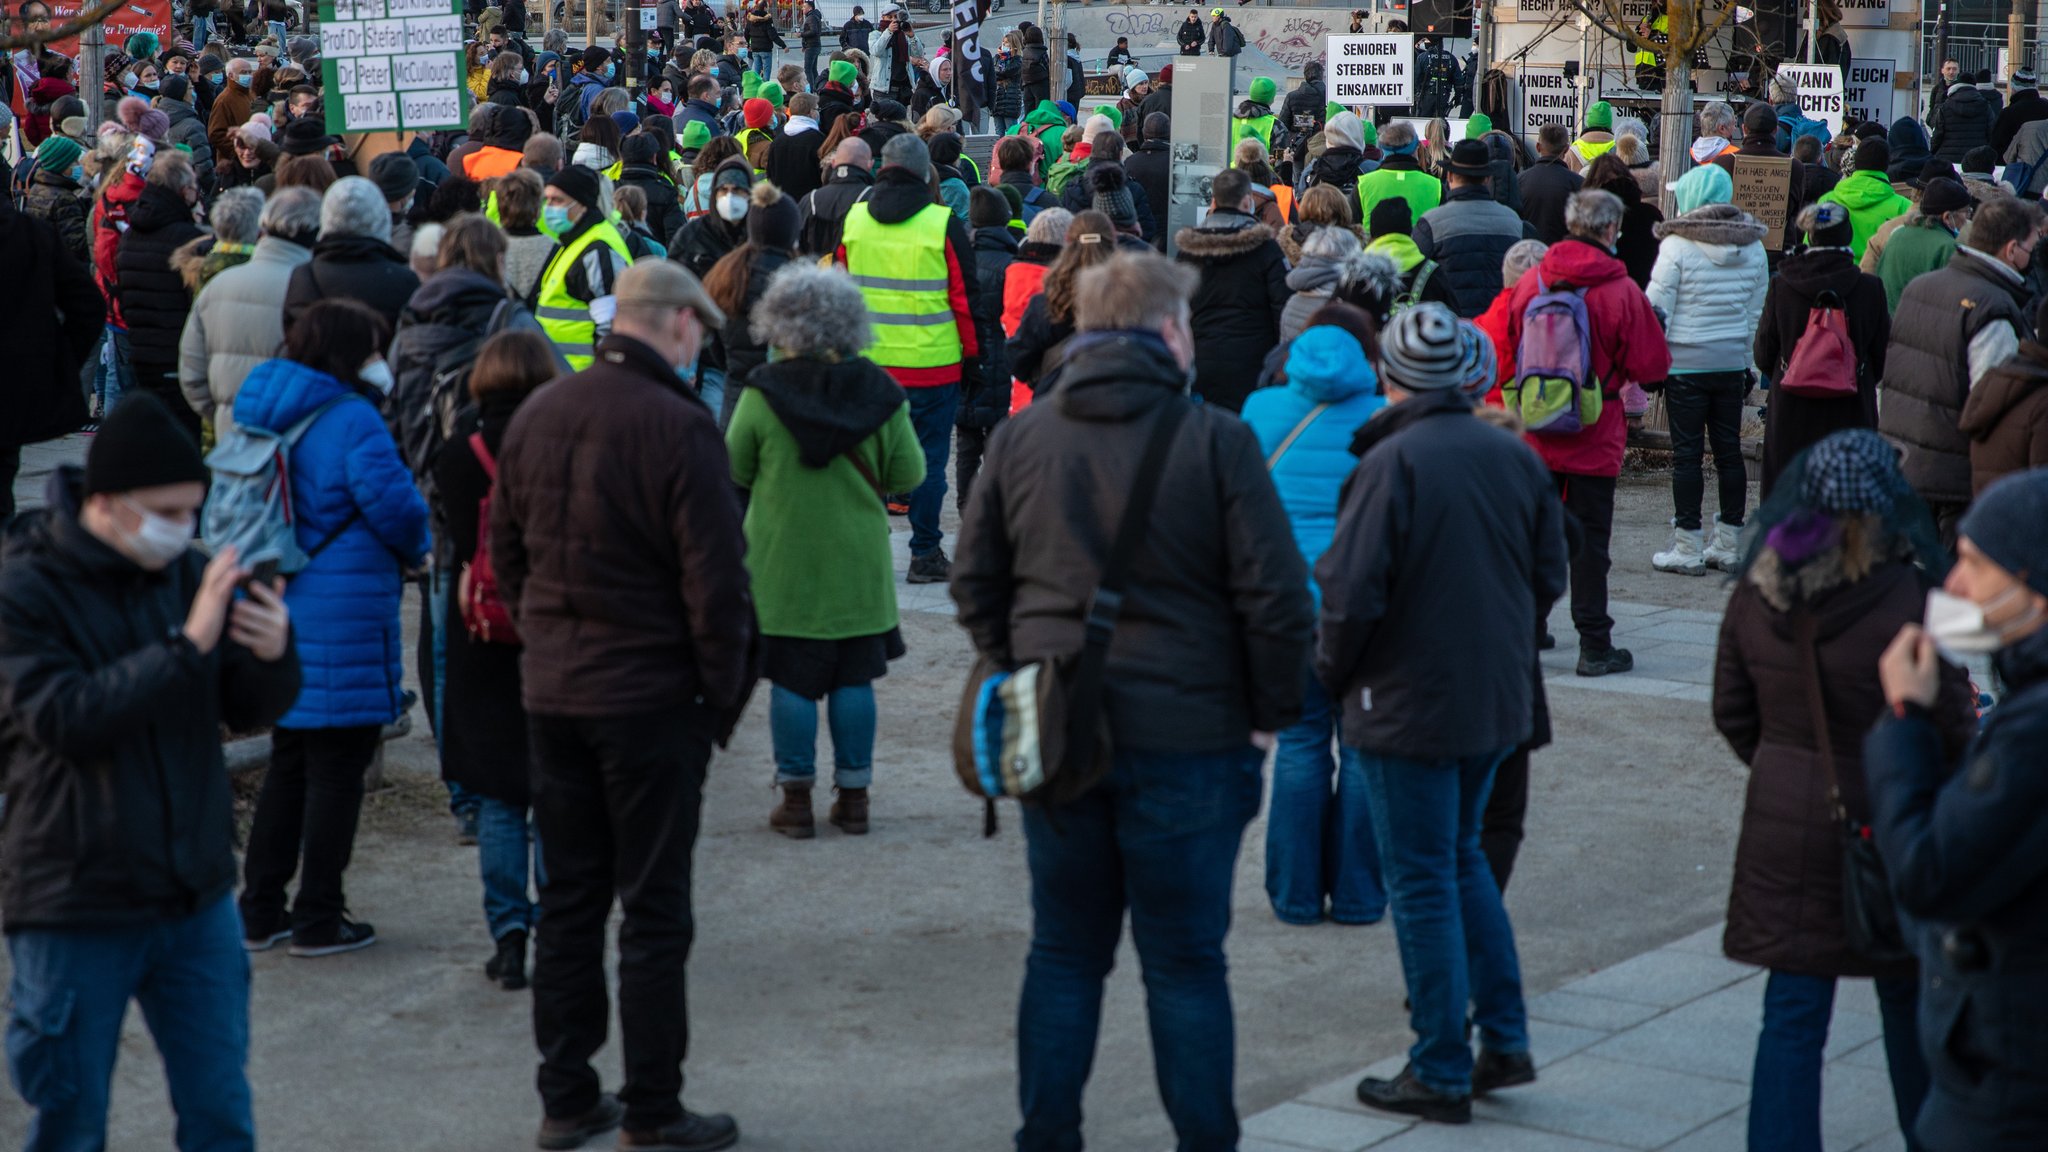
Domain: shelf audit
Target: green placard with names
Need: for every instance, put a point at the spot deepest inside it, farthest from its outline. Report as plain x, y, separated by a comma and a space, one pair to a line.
393, 65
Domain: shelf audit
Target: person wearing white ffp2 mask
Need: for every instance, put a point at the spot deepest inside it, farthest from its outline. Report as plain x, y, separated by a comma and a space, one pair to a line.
1961, 837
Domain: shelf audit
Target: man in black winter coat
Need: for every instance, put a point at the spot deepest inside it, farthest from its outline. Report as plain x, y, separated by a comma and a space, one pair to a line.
122, 654
1243, 290
988, 213
1449, 547
1964, 121
2025, 107
823, 212
1107, 151
1548, 184
1962, 840
153, 296
793, 155
1468, 234
1150, 167
354, 258
39, 392
1190, 35
1302, 114
1204, 664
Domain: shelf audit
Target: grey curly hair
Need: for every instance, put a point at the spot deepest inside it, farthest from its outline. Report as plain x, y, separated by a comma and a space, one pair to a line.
812, 311
235, 215
1330, 245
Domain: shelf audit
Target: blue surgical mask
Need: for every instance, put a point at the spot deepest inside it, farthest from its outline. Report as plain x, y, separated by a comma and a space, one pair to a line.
556, 218
77, 174
243, 80
611, 70
215, 78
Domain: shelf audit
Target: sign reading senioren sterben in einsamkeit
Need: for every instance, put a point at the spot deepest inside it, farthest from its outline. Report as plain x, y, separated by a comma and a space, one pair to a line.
1371, 69
393, 64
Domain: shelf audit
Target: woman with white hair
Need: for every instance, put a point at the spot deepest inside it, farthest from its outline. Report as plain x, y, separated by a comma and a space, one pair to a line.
234, 222
1314, 276
1519, 260
235, 323
818, 439
354, 259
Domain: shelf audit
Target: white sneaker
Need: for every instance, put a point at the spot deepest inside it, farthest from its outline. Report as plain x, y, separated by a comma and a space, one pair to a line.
1721, 551
1685, 557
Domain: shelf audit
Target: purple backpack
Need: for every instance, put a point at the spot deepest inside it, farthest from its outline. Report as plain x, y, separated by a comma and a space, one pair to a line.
1553, 389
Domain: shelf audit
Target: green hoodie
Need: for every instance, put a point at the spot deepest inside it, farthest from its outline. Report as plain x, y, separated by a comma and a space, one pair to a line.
1400, 249
1047, 123
1870, 200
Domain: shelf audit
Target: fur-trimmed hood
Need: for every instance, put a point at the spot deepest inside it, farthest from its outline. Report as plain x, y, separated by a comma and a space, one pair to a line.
1859, 547
1723, 224
1224, 236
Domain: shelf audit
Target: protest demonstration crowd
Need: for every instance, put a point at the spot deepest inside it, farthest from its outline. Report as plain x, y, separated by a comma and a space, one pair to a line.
626, 384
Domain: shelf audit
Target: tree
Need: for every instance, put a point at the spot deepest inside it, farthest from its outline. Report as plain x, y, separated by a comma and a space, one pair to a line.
35, 38
1689, 26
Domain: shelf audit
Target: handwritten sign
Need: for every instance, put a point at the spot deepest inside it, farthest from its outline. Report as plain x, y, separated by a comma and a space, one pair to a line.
1763, 188
1371, 70
1820, 92
393, 64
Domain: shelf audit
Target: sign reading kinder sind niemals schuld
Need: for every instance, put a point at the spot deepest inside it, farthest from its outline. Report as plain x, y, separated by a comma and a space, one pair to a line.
393, 64
1371, 70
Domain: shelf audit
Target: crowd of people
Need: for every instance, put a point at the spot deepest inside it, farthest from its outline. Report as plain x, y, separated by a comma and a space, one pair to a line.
627, 392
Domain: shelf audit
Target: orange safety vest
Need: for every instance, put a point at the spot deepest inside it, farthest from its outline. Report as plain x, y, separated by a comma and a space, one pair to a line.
1283, 197
490, 163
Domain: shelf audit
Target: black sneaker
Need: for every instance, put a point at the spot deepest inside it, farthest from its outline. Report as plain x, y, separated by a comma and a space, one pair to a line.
1496, 1070
693, 1133
508, 967
930, 568
1547, 643
1411, 1097
262, 933
560, 1135
1604, 661
343, 935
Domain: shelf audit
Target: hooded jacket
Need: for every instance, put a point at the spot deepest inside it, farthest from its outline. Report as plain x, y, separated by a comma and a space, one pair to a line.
794, 438
1216, 614
664, 215
1918, 246
1546, 186
353, 500
39, 392
1236, 308
895, 198
793, 161
1150, 167
1449, 547
2006, 418
153, 296
1927, 368
994, 251
1964, 121
1909, 151
1794, 423
1871, 201
1628, 348
1710, 279
361, 268
65, 205
1467, 235
235, 324
1313, 281
1420, 278
118, 810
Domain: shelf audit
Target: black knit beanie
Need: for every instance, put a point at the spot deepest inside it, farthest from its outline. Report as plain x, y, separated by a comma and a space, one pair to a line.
141, 445
579, 184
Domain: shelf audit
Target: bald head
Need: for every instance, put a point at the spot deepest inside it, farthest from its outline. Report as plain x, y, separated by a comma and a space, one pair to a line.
853, 152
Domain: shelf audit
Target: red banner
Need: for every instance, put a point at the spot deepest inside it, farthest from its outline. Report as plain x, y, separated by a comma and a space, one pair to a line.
131, 17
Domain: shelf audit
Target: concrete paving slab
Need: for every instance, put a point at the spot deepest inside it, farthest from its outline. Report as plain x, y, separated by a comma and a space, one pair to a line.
1856, 1105
1324, 1129
1664, 978
1480, 1137
1706, 941
1597, 1013
1626, 1104
1684, 632
1550, 1042
1893, 1141
1342, 1093
1714, 1036
1730, 1133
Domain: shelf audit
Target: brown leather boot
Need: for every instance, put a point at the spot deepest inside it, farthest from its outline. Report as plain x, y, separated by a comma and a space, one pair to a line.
850, 811
793, 816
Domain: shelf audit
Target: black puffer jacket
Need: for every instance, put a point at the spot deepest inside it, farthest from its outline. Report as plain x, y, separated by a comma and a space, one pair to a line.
1078, 195
663, 214
188, 131
737, 346
118, 811
1216, 618
1150, 167
1467, 235
994, 251
39, 392
1964, 121
1236, 309
66, 206
1340, 167
154, 300
361, 268
823, 212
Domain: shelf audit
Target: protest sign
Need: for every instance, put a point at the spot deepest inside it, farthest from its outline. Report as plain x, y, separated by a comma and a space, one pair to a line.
1371, 70
1763, 188
1820, 92
393, 64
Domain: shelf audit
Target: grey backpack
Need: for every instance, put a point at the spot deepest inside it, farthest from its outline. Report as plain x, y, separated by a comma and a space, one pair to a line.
250, 503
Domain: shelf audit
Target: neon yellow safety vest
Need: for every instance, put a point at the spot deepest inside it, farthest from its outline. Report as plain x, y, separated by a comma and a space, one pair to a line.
564, 318
617, 169
1659, 33
491, 214
1591, 150
1260, 126
1422, 191
901, 270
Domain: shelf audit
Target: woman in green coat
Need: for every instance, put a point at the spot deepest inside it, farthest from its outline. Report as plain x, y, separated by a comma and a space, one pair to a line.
817, 439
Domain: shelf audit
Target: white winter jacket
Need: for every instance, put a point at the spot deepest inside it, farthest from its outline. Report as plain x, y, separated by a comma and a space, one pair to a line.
236, 323
1710, 280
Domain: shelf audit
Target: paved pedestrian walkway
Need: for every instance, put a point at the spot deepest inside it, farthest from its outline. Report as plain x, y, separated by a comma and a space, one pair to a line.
1652, 1053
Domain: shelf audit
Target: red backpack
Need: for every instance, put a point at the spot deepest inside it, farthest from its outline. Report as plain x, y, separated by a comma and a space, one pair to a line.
1823, 362
483, 609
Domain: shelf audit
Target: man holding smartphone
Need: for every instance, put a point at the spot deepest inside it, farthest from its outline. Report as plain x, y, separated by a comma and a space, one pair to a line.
122, 652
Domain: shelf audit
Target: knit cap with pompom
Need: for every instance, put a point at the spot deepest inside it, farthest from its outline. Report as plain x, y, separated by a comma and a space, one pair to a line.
138, 117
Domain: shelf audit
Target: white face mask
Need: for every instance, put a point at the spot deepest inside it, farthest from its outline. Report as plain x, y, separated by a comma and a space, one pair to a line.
1958, 625
377, 374
525, 77
158, 540
127, 79
732, 208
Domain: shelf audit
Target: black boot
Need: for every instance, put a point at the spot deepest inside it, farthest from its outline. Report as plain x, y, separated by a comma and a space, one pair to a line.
1411, 1097
508, 967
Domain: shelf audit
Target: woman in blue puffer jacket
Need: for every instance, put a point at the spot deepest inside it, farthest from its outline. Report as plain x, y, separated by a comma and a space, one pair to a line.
363, 523
1320, 846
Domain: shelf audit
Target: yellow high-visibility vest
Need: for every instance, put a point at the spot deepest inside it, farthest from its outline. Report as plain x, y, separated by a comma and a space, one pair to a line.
564, 318
901, 271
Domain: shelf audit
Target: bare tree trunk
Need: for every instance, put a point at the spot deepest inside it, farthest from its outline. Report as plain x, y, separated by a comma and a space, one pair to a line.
1675, 132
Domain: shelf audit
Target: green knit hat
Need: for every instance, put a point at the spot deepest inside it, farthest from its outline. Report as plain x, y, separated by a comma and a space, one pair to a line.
1600, 116
842, 73
772, 93
1479, 125
57, 154
1113, 113
696, 134
1370, 134
1263, 89
1332, 109
750, 85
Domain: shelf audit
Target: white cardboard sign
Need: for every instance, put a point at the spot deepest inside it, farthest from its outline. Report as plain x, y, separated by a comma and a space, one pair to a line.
1371, 70
1820, 92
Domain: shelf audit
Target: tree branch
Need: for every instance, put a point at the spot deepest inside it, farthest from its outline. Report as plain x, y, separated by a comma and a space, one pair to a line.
1601, 23
99, 11
1707, 35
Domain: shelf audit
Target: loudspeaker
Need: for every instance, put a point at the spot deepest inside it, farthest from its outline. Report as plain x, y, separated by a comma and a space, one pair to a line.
1447, 18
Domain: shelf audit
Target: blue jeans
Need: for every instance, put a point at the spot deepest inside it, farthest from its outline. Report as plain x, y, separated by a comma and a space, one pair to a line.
711, 390
1160, 837
1320, 844
1457, 948
1784, 1104
931, 414
762, 64
502, 836
279, 30
793, 728
70, 990
202, 30
110, 374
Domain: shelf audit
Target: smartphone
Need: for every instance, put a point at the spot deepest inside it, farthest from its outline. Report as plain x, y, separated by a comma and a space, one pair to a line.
263, 573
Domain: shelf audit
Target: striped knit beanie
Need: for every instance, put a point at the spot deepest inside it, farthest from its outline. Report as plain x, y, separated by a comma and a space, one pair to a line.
1421, 350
